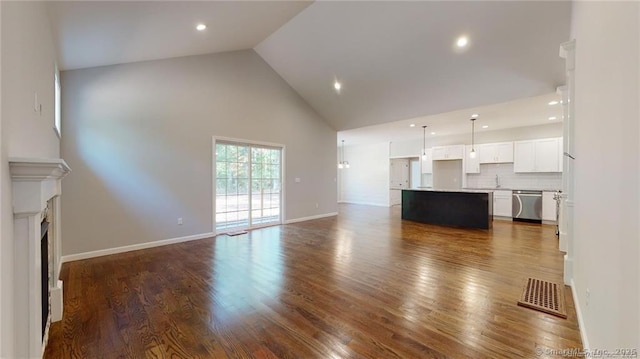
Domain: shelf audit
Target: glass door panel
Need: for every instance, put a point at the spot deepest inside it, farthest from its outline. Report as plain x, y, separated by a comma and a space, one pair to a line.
247, 186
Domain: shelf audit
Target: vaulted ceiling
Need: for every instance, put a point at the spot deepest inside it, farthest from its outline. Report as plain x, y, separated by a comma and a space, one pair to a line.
395, 60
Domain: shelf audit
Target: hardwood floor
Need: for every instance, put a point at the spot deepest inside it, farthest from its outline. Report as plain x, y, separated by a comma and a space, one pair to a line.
364, 284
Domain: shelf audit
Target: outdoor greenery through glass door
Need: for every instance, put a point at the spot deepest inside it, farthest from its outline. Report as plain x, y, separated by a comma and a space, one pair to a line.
248, 190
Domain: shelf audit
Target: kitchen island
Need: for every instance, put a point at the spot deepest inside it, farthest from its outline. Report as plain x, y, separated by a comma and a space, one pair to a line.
458, 208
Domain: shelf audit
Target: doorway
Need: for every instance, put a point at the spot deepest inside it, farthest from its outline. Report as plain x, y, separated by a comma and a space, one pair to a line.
247, 185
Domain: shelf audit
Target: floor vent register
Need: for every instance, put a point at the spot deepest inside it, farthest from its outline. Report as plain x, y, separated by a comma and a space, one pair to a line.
543, 296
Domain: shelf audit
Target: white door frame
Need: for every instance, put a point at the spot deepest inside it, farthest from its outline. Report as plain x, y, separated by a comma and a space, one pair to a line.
241, 141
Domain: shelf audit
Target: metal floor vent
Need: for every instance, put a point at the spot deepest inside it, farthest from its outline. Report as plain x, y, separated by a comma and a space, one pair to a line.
544, 296
237, 233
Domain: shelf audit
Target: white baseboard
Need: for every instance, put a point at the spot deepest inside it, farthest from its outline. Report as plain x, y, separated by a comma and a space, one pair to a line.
134, 247
366, 203
56, 302
576, 303
318, 216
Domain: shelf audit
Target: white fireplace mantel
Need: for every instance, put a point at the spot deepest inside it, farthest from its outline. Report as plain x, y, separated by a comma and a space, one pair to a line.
35, 181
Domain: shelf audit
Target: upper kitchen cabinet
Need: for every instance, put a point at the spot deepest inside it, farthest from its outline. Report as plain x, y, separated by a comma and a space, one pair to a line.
471, 165
426, 162
496, 152
538, 155
448, 152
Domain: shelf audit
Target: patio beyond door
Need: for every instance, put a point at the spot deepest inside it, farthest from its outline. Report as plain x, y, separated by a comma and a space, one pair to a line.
247, 186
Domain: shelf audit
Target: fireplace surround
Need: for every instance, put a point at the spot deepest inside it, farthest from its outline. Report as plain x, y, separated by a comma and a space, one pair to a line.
36, 190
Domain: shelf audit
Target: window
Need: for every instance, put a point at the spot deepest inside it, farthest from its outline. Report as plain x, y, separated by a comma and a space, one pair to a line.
57, 112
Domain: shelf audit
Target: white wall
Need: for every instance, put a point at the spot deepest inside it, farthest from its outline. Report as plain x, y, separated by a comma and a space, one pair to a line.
508, 179
138, 138
607, 193
28, 58
367, 180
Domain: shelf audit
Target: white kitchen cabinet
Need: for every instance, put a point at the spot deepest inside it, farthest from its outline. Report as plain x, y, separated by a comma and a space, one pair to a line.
524, 156
399, 173
547, 155
471, 165
448, 152
426, 162
496, 152
548, 206
537, 155
502, 203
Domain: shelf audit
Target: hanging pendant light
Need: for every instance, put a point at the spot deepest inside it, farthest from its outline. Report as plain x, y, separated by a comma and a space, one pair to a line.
342, 164
424, 142
472, 154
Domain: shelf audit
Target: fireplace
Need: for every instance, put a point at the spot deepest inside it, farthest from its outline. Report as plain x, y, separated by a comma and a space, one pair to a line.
44, 273
36, 190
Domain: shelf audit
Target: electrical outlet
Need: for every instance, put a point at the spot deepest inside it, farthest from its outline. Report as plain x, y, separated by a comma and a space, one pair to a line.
587, 297
180, 221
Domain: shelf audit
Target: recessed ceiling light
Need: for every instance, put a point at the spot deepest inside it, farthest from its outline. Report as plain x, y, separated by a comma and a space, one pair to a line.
551, 103
552, 118
201, 27
337, 85
462, 41
433, 133
485, 126
475, 115
412, 125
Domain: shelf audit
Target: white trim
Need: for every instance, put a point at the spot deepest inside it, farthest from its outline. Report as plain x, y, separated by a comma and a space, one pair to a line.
303, 219
366, 203
576, 304
134, 247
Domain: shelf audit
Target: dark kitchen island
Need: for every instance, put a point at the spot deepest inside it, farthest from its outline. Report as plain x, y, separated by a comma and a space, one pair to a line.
458, 208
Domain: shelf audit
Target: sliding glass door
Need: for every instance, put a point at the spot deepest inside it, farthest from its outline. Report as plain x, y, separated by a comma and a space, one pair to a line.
247, 186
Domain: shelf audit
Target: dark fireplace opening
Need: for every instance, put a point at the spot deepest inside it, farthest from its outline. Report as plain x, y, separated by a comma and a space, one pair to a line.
44, 274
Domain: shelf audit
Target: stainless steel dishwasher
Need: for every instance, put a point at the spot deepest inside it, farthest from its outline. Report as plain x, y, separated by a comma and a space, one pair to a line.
527, 206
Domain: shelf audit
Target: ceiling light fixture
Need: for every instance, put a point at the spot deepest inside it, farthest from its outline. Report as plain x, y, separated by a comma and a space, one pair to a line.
485, 126
433, 133
462, 41
472, 154
552, 118
474, 116
342, 164
424, 142
412, 125
337, 85
201, 27
551, 103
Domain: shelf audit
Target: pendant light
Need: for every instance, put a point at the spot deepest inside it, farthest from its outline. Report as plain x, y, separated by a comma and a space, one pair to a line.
424, 143
342, 164
472, 154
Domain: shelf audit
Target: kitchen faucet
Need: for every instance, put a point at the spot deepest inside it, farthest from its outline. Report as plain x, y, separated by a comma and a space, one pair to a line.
497, 182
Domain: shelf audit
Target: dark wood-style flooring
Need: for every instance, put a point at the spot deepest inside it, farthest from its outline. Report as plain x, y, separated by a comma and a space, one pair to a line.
364, 284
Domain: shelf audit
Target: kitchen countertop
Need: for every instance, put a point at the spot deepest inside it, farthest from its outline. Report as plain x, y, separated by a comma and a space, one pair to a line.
515, 189
463, 190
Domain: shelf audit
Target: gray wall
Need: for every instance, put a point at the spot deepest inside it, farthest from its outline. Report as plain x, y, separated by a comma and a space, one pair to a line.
606, 238
139, 140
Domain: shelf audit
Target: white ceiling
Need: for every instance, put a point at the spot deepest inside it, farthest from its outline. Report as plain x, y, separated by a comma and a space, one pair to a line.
531, 111
396, 60
97, 33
